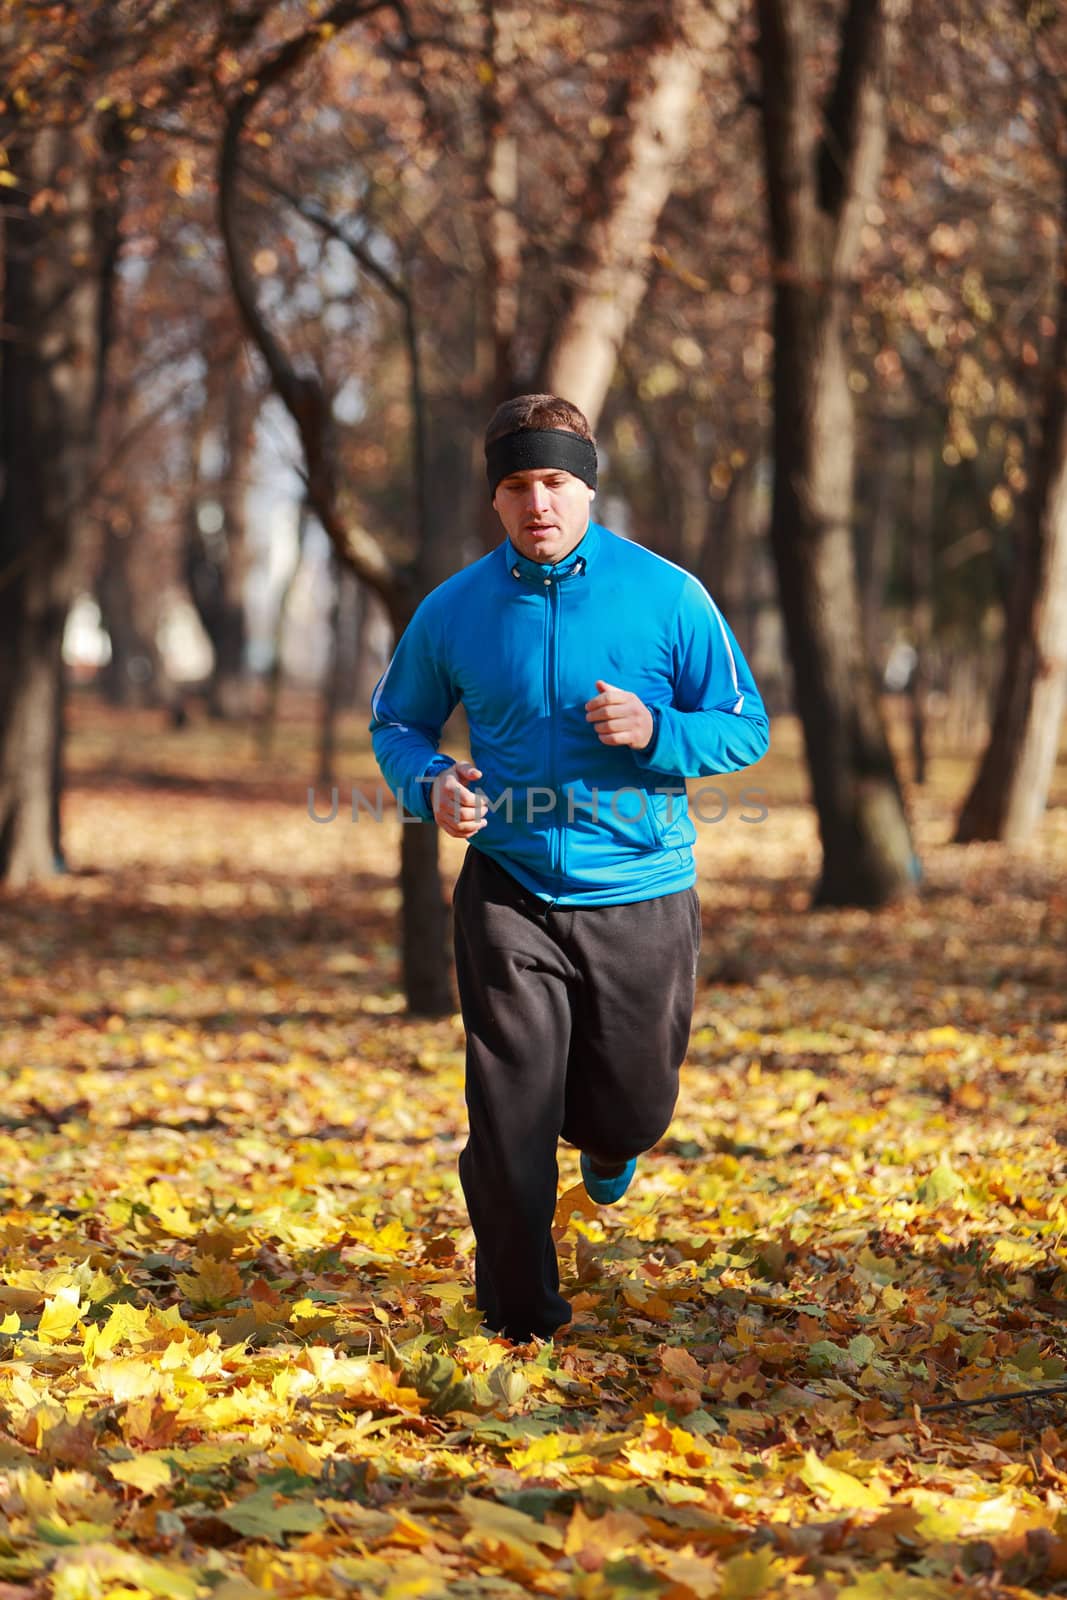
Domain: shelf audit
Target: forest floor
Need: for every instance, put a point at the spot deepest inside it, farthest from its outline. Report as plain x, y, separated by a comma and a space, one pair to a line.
238, 1352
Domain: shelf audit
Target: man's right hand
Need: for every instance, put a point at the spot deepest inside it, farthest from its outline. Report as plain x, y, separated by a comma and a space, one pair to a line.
457, 809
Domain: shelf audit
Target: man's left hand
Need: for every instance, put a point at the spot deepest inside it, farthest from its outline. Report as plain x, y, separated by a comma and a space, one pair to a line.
619, 717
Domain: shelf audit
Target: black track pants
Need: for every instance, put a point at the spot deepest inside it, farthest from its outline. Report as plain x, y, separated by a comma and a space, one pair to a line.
577, 1022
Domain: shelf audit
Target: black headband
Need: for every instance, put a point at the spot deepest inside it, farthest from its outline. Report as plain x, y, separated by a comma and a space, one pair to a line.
540, 447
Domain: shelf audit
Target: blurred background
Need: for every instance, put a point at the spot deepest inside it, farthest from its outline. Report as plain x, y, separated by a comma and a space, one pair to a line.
268, 268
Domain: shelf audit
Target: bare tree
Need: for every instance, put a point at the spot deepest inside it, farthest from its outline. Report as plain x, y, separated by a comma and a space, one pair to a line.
215, 546
605, 278
54, 310
1010, 790
424, 953
822, 167
502, 235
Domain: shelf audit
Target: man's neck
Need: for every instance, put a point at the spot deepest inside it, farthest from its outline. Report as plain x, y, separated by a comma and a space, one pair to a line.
573, 551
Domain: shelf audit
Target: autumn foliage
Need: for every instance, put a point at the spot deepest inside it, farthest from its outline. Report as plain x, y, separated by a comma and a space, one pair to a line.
238, 1351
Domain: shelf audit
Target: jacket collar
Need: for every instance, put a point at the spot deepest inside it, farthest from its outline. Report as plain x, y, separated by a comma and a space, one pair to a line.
580, 560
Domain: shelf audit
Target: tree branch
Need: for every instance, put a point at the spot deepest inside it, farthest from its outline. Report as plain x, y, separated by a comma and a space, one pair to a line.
303, 395
858, 55
1006, 1397
787, 112
852, 148
607, 273
317, 214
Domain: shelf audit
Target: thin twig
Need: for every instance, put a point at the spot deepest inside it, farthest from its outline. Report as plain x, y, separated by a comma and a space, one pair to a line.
1006, 1398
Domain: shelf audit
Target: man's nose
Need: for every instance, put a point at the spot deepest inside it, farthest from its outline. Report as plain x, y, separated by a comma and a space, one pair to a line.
538, 496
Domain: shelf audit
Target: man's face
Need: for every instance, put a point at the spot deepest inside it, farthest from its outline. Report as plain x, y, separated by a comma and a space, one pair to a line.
545, 512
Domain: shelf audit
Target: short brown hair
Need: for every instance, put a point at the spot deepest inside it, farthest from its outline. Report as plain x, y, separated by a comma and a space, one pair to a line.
537, 411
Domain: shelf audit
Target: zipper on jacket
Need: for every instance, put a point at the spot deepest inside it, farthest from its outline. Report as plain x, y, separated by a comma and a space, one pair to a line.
546, 689
557, 833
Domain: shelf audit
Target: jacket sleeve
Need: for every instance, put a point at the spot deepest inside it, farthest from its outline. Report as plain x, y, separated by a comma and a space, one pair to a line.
716, 721
412, 701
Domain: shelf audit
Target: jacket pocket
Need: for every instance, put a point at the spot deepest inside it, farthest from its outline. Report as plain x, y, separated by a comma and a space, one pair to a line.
668, 820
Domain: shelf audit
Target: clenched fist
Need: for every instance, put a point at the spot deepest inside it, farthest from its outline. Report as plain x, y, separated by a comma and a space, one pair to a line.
619, 717
457, 809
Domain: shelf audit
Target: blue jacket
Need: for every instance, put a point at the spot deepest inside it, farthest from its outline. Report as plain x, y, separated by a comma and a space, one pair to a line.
576, 821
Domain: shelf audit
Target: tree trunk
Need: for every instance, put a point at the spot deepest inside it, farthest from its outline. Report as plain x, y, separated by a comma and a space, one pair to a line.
501, 235
367, 667
608, 273
59, 767
1010, 791
675, 476
343, 624
228, 679
215, 556
728, 558
502, 240
922, 596
48, 389
426, 915
135, 674
268, 720
874, 540
424, 956
425, 924
817, 190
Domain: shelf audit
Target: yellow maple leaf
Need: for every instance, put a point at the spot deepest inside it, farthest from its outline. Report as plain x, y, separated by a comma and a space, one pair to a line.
650, 1304
408, 1530
650, 1465
593, 1541
509, 1537
548, 1447
414, 1578
841, 1490
573, 1199
66, 1496
381, 1383
126, 1323
692, 1574
128, 1378
753, 1574
221, 1240
147, 1473
60, 1316
214, 1283
227, 1411
298, 1454
167, 1207
1017, 1253
392, 1238
681, 1365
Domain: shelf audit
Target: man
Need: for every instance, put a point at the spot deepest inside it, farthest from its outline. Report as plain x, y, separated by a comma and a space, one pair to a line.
596, 678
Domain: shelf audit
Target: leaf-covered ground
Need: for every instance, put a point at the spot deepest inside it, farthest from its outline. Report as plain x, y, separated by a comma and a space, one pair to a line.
238, 1353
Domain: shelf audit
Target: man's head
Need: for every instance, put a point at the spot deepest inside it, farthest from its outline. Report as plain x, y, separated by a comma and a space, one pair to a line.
541, 464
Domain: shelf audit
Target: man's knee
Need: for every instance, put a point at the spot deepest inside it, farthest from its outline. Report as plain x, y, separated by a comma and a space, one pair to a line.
613, 1147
